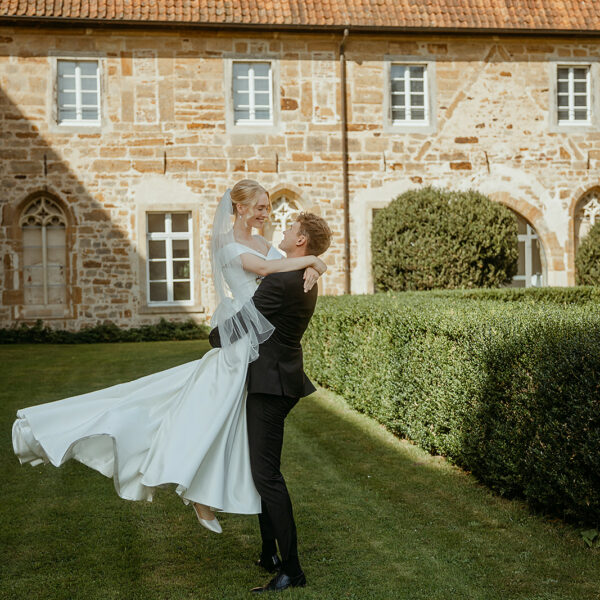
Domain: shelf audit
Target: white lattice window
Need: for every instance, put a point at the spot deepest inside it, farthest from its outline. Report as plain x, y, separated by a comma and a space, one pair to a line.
573, 101
530, 266
169, 258
409, 94
252, 93
43, 228
587, 214
284, 211
78, 88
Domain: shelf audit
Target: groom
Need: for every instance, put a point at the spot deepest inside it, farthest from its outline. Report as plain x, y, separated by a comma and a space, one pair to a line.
276, 381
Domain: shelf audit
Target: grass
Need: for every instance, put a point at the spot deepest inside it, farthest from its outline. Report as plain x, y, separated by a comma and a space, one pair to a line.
377, 517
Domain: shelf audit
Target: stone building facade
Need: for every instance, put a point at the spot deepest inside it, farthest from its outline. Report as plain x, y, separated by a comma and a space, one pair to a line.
107, 217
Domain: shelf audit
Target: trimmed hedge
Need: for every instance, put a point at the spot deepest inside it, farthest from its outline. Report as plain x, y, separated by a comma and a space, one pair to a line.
438, 239
109, 332
587, 260
507, 390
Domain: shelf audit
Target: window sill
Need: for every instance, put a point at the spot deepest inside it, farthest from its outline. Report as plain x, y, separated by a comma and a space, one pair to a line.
425, 128
573, 127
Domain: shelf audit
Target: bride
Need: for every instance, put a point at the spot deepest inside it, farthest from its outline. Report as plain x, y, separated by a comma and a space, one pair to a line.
187, 425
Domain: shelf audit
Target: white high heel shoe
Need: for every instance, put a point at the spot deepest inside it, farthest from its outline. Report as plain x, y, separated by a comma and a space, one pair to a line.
212, 524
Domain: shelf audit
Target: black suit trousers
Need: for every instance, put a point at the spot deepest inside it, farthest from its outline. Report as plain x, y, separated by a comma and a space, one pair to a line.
266, 414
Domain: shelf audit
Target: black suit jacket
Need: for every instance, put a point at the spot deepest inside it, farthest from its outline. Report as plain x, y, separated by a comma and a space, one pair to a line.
279, 369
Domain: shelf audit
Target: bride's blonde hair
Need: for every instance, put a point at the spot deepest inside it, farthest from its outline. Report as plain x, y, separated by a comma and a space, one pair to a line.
246, 193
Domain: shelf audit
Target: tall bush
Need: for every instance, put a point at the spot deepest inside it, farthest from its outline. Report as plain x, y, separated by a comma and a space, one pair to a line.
587, 261
507, 390
433, 238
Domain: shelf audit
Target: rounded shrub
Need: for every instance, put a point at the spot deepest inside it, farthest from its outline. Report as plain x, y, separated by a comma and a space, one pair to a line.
438, 239
587, 261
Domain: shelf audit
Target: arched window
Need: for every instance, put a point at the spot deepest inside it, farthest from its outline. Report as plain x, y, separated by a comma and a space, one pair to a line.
530, 271
283, 212
586, 214
43, 227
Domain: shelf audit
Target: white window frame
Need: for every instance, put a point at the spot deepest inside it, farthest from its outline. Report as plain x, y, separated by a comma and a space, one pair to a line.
429, 124
593, 91
79, 121
571, 96
252, 121
169, 236
256, 127
408, 92
530, 278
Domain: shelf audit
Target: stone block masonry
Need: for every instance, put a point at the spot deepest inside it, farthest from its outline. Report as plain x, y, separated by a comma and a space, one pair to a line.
167, 143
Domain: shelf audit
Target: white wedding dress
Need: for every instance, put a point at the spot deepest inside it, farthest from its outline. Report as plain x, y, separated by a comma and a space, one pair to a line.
184, 426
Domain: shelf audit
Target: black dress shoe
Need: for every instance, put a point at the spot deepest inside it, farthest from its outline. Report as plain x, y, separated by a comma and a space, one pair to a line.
269, 563
281, 582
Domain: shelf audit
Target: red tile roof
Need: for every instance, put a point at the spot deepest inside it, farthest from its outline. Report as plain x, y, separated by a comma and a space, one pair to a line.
537, 15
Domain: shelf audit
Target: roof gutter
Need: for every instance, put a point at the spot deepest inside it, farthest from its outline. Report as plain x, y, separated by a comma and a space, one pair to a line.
370, 29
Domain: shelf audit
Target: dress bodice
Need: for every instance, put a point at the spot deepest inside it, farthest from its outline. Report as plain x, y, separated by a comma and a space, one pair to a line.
247, 282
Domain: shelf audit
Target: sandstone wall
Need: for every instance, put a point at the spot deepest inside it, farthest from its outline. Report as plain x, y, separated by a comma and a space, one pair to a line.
166, 143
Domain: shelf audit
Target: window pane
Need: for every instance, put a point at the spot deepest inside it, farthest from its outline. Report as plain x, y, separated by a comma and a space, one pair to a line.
57, 255
261, 69
89, 84
417, 100
563, 87
399, 100
417, 86
88, 67
67, 114
579, 73
563, 73
399, 115
156, 249
536, 260
56, 275
261, 85
158, 270
241, 99
57, 294
521, 260
89, 98
66, 67
398, 71
263, 115
261, 99
240, 68
580, 100
66, 98
181, 290
563, 115
181, 249
241, 85
181, 269
158, 292
417, 114
156, 222
417, 72
89, 114
179, 222
563, 101
241, 114
521, 225
398, 85
581, 115
580, 87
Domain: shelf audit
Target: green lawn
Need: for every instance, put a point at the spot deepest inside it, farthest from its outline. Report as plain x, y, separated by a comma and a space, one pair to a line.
377, 517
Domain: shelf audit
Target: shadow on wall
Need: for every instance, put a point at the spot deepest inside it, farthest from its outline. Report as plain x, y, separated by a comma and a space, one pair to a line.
65, 258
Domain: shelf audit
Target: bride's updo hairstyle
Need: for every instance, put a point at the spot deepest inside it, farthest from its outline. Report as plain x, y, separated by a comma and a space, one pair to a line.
246, 193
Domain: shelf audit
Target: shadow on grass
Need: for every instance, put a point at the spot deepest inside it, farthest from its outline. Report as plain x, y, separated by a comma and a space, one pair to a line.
377, 517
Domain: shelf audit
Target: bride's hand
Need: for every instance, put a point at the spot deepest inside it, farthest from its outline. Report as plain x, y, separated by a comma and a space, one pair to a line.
310, 278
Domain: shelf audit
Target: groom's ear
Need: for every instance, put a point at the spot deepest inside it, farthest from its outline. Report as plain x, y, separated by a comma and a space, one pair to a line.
301, 241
